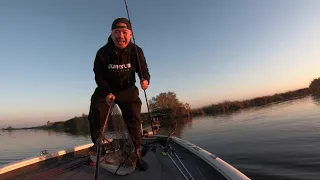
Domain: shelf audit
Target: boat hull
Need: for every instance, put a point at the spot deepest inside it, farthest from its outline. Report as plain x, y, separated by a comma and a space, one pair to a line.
200, 163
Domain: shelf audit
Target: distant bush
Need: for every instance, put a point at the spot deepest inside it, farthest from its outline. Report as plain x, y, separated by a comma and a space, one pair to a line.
77, 124
315, 87
197, 112
57, 125
167, 105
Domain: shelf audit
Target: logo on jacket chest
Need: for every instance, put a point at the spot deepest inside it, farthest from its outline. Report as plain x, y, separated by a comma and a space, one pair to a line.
119, 67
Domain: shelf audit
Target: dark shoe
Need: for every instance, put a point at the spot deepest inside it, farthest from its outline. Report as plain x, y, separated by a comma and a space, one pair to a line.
141, 164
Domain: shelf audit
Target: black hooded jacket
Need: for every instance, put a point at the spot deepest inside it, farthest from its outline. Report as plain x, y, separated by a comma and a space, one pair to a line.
115, 69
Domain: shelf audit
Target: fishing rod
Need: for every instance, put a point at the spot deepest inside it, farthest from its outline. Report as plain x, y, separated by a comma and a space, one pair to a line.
145, 94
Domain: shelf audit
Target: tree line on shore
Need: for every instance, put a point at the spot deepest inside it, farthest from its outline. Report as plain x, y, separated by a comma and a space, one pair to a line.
169, 101
232, 106
75, 125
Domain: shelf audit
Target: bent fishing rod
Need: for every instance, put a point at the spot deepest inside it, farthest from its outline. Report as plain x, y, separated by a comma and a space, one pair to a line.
145, 94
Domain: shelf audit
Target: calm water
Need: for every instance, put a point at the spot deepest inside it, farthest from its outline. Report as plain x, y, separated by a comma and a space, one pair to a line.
280, 141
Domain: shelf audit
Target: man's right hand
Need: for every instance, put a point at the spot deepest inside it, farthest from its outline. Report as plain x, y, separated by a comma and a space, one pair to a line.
110, 98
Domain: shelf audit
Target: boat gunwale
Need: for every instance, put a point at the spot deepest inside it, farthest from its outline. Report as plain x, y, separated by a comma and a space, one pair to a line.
36, 159
217, 163
227, 170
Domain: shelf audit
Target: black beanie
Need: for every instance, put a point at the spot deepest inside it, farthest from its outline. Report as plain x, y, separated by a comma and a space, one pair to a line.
121, 20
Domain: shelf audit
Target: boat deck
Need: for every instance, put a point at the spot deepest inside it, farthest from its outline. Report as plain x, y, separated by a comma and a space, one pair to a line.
76, 167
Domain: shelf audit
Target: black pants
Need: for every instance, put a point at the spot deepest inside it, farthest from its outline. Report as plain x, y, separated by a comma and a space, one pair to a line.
130, 105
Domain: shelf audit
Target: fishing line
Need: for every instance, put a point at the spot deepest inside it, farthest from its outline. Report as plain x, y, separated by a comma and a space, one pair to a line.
177, 166
162, 167
174, 130
145, 94
185, 168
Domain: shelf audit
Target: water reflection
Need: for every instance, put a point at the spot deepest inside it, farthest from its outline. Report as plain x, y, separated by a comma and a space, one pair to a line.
175, 125
76, 133
9, 132
316, 99
20, 144
167, 127
280, 141
51, 132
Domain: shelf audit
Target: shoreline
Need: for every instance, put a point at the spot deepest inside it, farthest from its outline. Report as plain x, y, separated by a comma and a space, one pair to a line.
237, 105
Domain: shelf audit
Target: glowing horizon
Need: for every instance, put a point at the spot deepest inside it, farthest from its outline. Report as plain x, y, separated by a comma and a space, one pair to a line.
206, 52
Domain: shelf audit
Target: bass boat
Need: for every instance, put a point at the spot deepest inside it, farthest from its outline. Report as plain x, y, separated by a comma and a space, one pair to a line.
168, 157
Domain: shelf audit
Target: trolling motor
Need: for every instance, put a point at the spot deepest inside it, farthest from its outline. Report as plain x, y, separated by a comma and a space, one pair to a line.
156, 127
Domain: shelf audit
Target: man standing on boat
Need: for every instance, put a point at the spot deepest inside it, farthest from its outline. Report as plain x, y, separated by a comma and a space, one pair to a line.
115, 66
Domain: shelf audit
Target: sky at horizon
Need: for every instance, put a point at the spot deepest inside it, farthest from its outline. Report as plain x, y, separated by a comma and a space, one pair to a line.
205, 51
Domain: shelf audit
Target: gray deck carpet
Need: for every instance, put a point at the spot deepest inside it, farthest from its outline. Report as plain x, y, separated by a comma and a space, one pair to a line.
160, 167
